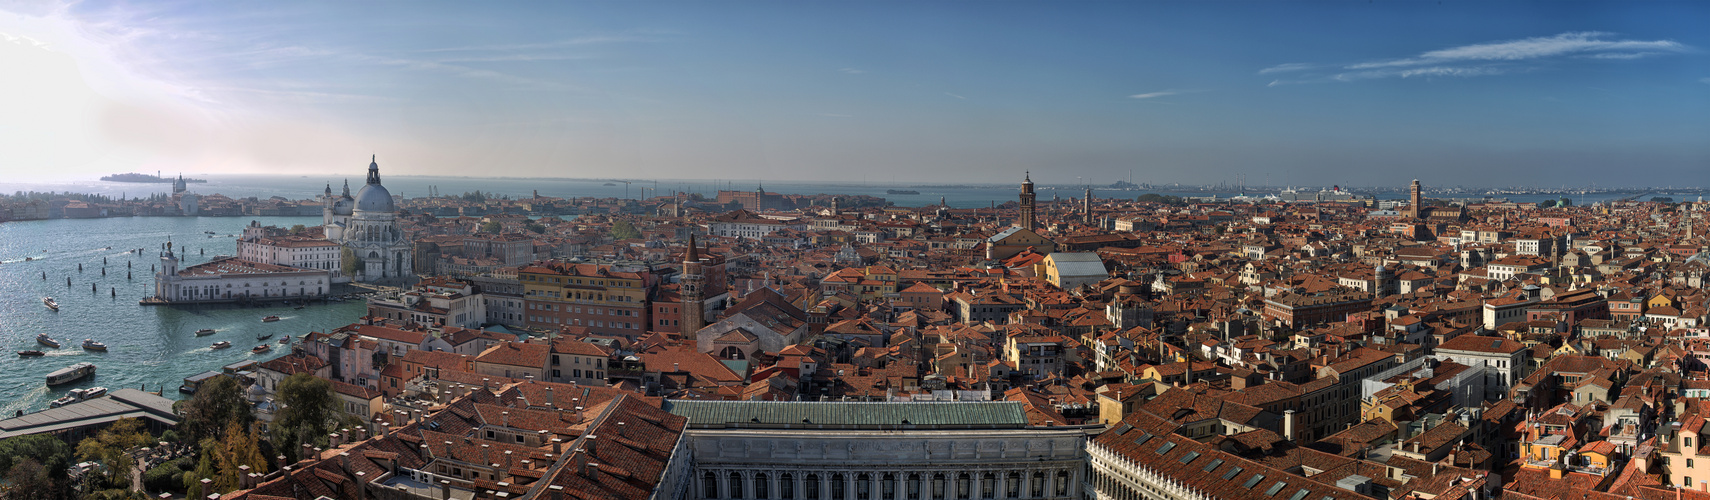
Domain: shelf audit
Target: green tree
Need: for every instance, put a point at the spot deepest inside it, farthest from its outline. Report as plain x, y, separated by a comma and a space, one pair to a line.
219, 403
535, 227
623, 230
1547, 204
48, 451
306, 413
298, 229
1566, 202
348, 262
112, 445
204, 467
492, 226
27, 478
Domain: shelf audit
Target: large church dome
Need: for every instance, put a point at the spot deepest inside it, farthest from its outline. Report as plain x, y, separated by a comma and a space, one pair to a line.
374, 197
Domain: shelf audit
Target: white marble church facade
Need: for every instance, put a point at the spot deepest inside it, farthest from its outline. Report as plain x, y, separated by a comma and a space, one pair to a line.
367, 225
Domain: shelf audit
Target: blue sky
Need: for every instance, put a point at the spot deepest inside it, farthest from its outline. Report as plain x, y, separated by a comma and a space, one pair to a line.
1353, 93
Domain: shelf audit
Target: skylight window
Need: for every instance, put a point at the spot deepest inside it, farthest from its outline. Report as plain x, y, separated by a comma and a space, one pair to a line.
1232, 473
1275, 488
1213, 465
1252, 481
1188, 458
1170, 445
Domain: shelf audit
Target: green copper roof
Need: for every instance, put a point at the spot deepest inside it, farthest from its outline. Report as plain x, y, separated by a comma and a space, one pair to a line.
814, 414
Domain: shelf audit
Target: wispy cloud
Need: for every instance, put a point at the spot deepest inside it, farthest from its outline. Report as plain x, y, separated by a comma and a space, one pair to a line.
1153, 96
1624, 55
555, 44
1287, 67
1491, 58
1704, 80
955, 96
1150, 95
851, 71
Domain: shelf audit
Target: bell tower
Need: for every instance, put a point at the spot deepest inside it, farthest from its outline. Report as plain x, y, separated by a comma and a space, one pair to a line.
692, 291
1027, 195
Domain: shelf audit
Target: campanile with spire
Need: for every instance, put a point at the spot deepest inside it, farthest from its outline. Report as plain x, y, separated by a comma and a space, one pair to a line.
1027, 195
692, 289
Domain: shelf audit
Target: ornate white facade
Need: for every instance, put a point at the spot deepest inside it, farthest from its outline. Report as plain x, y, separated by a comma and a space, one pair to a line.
230, 279
367, 225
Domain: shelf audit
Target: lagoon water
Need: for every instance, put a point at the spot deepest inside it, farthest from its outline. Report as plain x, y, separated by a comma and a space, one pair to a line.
148, 346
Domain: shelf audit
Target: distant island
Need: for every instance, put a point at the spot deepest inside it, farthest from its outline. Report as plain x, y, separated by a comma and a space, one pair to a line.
136, 177
901, 191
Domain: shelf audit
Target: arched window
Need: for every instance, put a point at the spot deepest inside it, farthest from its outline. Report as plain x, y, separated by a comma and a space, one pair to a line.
913, 487
1012, 485
837, 486
787, 486
864, 486
938, 486
735, 485
709, 485
988, 484
963, 487
1062, 482
811, 485
760, 487
1038, 486
888, 487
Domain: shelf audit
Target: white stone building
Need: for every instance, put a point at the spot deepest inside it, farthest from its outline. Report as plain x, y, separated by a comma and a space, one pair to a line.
271, 245
367, 225
230, 279
1504, 360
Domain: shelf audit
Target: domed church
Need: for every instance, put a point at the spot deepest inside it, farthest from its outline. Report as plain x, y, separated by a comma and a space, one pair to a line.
367, 225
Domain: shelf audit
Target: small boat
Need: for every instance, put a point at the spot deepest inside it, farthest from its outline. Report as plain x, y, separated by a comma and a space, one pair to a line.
269, 319
222, 344
297, 308
30, 354
71, 373
44, 339
92, 345
264, 336
260, 349
48, 301
205, 332
285, 340
62, 401
91, 393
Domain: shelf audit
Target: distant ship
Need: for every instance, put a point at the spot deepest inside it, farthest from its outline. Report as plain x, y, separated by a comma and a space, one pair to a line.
135, 177
901, 191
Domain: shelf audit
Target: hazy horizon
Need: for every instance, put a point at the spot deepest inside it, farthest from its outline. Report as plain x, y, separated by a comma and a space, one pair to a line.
1540, 94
